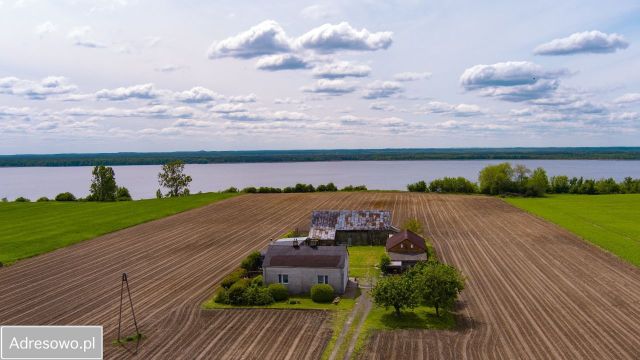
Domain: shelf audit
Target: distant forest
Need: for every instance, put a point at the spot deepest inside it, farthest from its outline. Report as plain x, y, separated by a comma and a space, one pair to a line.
257, 156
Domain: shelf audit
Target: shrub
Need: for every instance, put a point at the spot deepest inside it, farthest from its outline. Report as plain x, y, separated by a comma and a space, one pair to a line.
4, 199
354, 188
237, 292
268, 190
65, 196
257, 295
257, 281
42, 199
330, 187
122, 194
222, 297
385, 261
22, 199
231, 190
322, 293
250, 190
420, 186
279, 292
158, 194
252, 262
302, 188
232, 278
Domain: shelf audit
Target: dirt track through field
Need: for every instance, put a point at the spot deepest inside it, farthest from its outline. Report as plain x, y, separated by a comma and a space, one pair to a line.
534, 290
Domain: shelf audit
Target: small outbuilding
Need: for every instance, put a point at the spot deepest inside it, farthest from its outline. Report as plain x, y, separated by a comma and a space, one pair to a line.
299, 266
405, 249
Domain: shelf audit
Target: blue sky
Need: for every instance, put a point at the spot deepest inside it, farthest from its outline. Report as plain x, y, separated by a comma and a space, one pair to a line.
126, 75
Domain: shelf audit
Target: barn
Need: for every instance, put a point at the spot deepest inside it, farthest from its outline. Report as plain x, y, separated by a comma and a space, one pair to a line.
350, 227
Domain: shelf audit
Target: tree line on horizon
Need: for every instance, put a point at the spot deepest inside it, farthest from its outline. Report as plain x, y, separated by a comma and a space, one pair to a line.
505, 179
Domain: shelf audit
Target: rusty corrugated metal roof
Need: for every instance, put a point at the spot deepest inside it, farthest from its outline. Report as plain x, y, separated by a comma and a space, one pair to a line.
325, 223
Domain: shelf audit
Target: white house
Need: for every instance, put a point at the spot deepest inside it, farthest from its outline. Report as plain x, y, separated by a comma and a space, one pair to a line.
299, 267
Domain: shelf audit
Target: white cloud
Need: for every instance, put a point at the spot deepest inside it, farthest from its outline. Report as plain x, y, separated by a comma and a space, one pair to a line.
266, 38
142, 91
82, 36
330, 87
316, 12
459, 110
51, 85
228, 108
269, 116
595, 42
241, 98
341, 69
628, 98
382, 106
382, 89
512, 81
281, 62
45, 28
330, 38
411, 76
197, 94
169, 68
287, 100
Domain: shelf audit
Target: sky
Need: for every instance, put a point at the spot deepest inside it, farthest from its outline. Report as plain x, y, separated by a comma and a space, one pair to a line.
133, 75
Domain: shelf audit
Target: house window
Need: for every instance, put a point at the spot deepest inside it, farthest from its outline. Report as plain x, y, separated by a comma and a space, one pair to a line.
412, 246
401, 246
283, 278
323, 279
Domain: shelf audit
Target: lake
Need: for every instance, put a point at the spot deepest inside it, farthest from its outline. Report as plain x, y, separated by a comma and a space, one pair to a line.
141, 180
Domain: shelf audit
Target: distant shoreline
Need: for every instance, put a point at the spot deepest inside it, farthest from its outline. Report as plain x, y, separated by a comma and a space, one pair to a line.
279, 156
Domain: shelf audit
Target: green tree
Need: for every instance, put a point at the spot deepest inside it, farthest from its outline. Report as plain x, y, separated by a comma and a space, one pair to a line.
252, 262
538, 183
397, 291
521, 177
158, 194
414, 225
496, 179
103, 184
438, 284
122, 194
173, 178
559, 184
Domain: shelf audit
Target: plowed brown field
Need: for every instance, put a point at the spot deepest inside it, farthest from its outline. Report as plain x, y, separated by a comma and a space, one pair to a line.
534, 291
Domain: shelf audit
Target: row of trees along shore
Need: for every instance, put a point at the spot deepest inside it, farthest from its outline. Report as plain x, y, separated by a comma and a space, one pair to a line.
505, 179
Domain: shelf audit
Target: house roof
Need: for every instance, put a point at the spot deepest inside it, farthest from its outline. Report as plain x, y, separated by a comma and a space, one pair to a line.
305, 256
414, 238
325, 223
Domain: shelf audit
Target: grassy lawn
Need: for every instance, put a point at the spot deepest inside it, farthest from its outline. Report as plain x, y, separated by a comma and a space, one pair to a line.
29, 229
608, 221
363, 259
305, 303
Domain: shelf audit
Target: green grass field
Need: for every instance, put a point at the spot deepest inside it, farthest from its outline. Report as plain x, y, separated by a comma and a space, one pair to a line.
611, 222
29, 229
363, 261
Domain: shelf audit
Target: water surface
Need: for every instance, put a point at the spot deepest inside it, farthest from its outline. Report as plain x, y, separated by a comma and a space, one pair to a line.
33, 182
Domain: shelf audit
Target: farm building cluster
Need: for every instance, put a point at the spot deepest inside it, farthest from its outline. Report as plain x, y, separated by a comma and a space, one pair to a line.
322, 257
